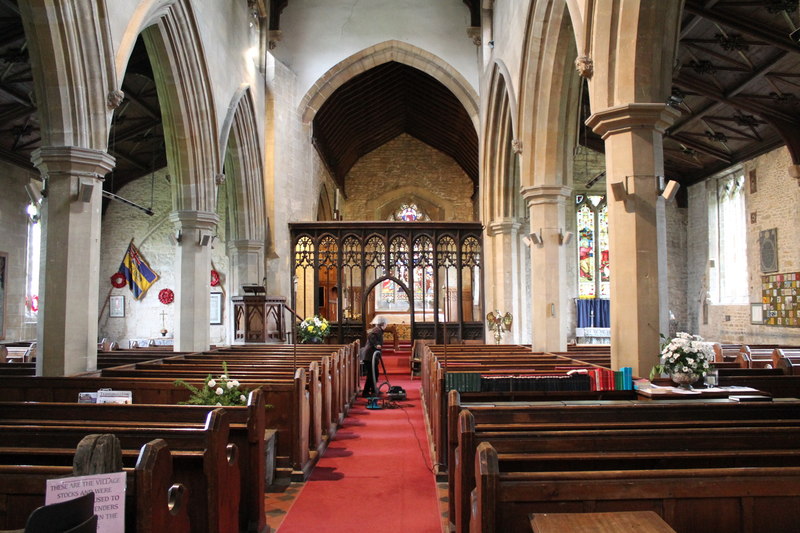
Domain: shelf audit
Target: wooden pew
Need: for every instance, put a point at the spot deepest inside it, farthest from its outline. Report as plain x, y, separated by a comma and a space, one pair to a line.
485, 359
474, 423
153, 501
737, 500
288, 398
787, 359
247, 427
203, 460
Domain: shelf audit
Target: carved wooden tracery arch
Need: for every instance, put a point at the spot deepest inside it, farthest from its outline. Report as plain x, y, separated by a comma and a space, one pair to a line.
346, 261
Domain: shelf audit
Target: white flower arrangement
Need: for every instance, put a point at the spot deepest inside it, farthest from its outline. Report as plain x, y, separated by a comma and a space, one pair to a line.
313, 328
219, 392
687, 354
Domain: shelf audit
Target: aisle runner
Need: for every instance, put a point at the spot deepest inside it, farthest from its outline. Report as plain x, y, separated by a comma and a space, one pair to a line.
374, 475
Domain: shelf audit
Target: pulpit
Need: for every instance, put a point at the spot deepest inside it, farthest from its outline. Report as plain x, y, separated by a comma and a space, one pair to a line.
257, 317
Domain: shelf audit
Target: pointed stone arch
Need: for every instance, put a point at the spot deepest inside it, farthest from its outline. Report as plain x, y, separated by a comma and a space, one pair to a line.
244, 187
548, 109
73, 73
182, 80
244, 179
383, 53
502, 206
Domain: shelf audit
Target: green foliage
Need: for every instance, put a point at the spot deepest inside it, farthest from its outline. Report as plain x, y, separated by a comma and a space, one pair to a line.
220, 391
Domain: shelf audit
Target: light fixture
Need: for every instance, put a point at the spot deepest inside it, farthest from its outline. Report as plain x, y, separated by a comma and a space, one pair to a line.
527, 241
85, 189
670, 190
175, 239
204, 240
536, 238
564, 238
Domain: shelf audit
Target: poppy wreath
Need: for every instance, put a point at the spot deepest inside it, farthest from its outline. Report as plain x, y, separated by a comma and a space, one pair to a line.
118, 280
214, 278
166, 296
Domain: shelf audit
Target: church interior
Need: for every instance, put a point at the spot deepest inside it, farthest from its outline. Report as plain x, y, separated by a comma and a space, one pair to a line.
534, 195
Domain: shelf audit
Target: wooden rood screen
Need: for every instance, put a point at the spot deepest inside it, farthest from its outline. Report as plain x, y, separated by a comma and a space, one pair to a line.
425, 277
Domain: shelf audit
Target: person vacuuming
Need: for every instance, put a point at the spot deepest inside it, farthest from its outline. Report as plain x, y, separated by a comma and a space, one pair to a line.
372, 352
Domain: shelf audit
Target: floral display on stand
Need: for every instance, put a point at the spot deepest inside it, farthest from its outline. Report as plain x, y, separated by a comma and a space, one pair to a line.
499, 323
313, 330
219, 391
686, 358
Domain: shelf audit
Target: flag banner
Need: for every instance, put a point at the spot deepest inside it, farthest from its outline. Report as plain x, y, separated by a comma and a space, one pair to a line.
138, 273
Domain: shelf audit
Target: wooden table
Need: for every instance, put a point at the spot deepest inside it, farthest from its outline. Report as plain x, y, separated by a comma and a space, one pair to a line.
619, 522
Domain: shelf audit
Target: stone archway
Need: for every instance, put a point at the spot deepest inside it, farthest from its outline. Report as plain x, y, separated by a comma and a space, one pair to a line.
501, 206
74, 110
383, 53
548, 123
244, 187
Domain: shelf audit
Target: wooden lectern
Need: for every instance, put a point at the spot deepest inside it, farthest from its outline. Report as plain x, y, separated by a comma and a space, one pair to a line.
258, 317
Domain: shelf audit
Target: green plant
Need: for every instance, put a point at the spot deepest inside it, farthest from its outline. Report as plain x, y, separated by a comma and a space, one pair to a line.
685, 353
314, 327
220, 391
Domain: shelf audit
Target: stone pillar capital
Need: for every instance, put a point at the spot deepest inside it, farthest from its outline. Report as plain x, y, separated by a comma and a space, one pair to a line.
503, 226
245, 246
624, 118
194, 220
64, 161
545, 194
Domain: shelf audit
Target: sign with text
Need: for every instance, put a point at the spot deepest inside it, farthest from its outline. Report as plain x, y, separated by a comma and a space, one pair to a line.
109, 497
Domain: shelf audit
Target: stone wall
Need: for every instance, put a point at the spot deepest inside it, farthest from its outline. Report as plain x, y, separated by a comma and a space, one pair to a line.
143, 318
406, 168
771, 204
14, 242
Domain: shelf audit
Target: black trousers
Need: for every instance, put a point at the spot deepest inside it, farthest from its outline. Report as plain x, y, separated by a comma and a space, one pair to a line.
371, 361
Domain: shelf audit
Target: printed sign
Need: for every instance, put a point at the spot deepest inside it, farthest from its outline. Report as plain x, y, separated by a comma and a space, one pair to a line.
109, 497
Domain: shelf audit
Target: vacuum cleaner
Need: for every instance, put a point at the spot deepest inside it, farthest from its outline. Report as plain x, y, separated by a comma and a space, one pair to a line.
393, 393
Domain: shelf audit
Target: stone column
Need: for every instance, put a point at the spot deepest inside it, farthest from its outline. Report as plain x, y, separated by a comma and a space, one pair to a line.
547, 206
505, 272
193, 279
70, 259
637, 236
247, 264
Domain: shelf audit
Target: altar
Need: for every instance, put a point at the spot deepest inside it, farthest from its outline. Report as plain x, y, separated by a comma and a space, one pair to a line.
593, 335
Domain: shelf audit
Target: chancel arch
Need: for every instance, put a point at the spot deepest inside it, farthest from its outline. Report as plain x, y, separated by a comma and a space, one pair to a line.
385, 52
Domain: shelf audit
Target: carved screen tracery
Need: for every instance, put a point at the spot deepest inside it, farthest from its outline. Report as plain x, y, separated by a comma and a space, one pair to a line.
351, 272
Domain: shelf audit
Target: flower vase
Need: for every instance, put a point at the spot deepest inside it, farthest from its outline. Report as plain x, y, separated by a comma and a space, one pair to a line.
684, 380
314, 340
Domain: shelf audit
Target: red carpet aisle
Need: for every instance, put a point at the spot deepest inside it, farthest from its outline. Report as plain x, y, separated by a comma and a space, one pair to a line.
374, 476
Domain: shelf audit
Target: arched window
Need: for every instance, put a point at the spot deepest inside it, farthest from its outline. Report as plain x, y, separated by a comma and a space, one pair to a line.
593, 266
409, 213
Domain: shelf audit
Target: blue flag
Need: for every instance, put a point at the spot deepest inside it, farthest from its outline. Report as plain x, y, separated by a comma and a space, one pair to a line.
138, 273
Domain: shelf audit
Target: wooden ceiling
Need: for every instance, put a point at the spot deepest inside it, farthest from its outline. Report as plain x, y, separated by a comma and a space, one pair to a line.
736, 83
378, 105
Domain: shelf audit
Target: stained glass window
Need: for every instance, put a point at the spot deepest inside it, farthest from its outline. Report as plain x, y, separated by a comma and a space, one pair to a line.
409, 213
593, 250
